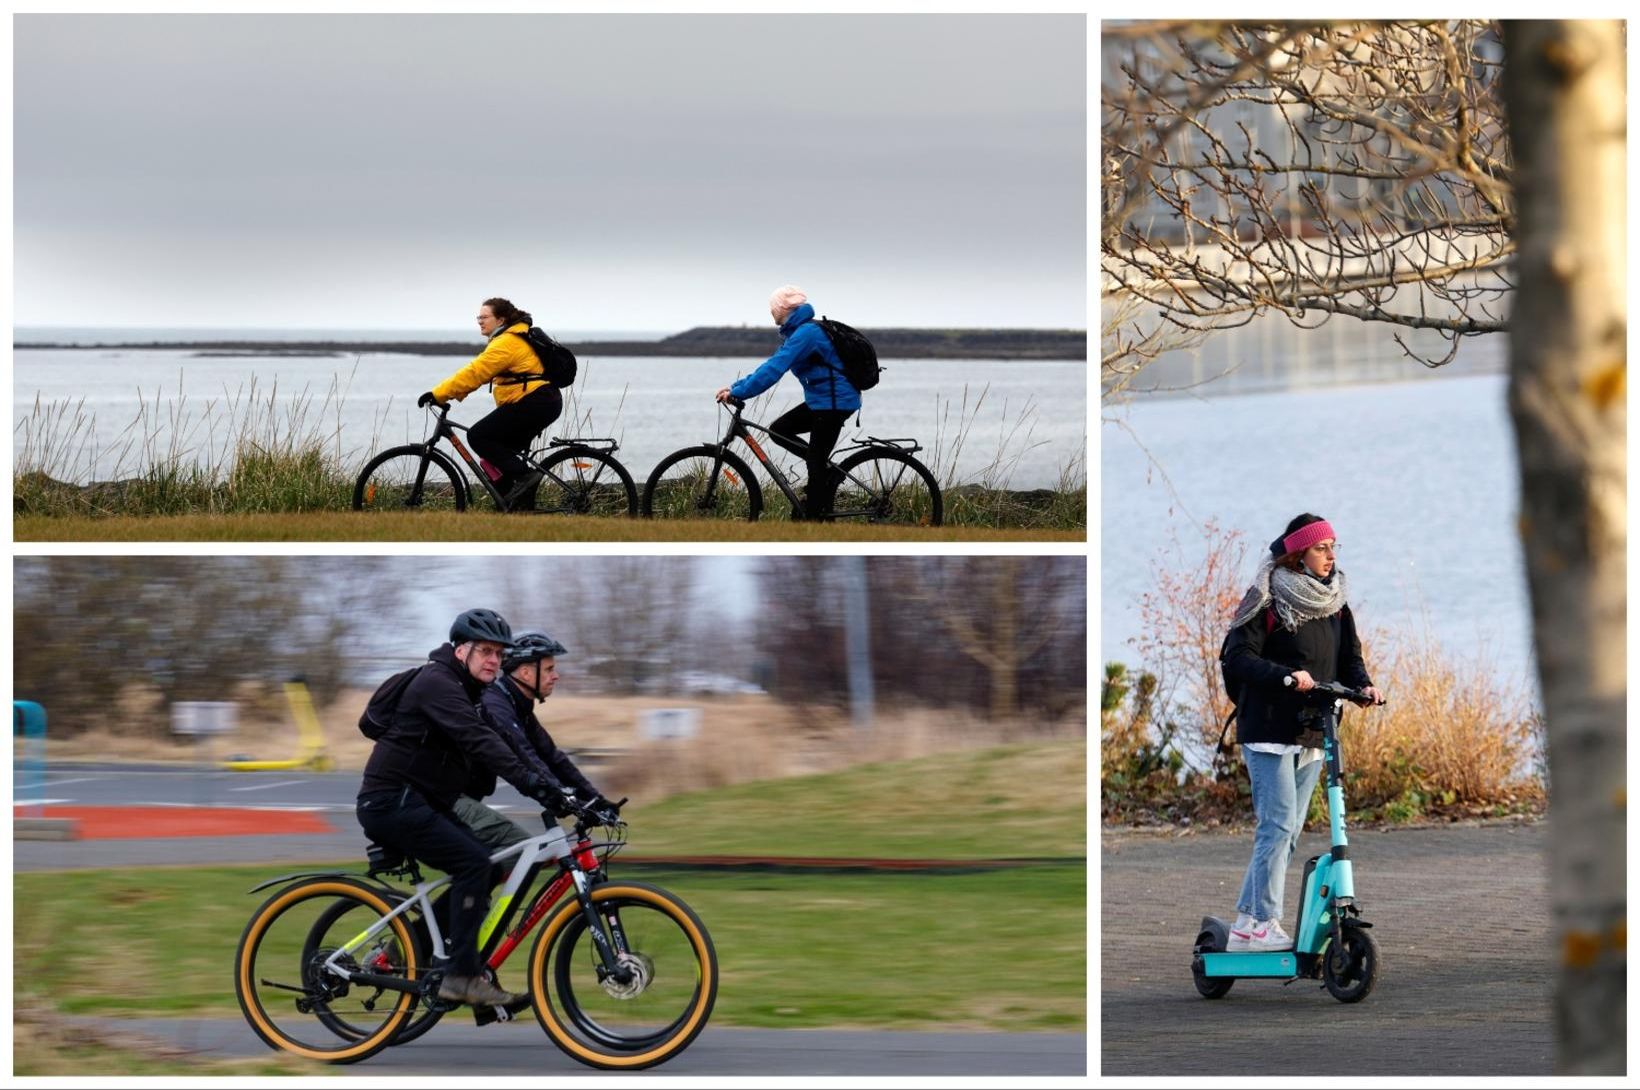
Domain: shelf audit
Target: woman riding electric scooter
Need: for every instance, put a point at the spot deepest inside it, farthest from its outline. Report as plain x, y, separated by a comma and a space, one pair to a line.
1294, 620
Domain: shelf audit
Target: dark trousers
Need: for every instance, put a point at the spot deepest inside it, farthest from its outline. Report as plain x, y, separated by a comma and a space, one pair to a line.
401, 818
823, 426
513, 427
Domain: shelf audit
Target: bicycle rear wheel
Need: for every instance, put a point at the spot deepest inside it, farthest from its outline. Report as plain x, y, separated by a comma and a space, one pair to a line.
702, 483
651, 1015
586, 481
410, 478
293, 1003
884, 485
337, 924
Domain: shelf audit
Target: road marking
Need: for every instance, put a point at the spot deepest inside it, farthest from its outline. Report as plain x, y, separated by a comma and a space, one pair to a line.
78, 779
40, 802
266, 786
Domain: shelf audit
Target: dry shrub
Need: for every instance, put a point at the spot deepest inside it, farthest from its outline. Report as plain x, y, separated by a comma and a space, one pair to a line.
1452, 737
796, 740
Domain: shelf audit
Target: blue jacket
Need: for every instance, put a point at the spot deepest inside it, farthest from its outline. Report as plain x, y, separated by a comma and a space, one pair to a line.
808, 354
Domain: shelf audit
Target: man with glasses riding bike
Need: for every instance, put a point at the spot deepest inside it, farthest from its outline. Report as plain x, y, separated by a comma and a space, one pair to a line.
828, 396
418, 770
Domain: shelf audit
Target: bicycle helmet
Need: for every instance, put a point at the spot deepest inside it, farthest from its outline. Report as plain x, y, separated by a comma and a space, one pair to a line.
481, 624
531, 647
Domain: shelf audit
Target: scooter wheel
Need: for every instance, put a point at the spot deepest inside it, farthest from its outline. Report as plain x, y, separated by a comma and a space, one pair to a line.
1350, 969
1210, 987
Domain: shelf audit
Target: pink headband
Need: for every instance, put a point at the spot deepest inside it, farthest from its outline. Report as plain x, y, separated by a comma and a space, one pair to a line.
1305, 536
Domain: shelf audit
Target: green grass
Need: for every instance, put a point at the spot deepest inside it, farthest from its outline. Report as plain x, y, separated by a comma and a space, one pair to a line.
882, 950
885, 951
479, 526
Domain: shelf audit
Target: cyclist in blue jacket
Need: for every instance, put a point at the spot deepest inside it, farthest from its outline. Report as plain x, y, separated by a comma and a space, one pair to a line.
828, 396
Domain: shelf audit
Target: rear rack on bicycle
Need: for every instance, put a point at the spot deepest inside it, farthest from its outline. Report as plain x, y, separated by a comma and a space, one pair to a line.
907, 445
600, 444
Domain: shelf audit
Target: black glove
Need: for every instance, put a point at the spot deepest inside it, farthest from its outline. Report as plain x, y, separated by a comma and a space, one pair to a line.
555, 799
605, 811
425, 400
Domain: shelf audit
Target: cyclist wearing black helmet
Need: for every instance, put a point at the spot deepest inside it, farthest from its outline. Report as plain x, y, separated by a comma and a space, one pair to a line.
530, 673
418, 770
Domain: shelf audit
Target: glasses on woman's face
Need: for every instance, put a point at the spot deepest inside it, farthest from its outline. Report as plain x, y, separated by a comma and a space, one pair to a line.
1330, 550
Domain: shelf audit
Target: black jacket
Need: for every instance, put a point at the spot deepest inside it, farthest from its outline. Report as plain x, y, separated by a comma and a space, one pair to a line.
511, 712
437, 737
1327, 647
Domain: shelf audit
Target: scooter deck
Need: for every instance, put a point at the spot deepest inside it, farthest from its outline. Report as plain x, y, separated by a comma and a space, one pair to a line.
1273, 963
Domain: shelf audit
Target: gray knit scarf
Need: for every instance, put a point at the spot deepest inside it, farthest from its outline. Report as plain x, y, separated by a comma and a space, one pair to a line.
1298, 596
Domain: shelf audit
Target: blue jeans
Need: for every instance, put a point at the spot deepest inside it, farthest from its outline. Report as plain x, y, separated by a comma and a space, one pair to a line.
1281, 799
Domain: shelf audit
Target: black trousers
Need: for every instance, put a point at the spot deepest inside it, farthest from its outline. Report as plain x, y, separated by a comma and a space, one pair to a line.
403, 819
823, 426
512, 428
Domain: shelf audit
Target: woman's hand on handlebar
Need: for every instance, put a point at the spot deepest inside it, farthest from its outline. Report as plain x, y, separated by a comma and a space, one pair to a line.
1372, 691
1302, 681
723, 395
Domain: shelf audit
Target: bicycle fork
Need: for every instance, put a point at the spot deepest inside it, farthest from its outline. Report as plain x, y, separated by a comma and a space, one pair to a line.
611, 945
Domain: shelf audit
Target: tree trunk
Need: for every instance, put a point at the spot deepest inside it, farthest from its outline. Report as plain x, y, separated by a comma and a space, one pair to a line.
1565, 85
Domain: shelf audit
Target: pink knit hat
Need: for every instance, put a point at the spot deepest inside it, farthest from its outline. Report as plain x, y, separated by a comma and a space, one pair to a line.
1305, 536
786, 299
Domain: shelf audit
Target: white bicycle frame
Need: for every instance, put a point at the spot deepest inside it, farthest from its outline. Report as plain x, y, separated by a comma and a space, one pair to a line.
554, 844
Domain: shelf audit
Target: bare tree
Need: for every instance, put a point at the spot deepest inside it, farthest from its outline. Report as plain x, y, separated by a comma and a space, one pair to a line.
630, 616
1309, 170
1567, 385
191, 628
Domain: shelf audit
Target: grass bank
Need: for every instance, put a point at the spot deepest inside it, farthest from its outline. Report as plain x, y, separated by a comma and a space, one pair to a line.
479, 526
219, 464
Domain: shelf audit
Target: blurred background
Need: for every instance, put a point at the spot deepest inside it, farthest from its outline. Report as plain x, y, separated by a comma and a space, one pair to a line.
950, 651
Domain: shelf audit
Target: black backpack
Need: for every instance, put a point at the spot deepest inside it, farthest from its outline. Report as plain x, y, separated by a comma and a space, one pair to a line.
858, 356
557, 362
1234, 692
384, 703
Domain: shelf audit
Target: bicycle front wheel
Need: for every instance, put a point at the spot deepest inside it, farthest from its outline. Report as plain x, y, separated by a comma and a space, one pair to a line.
702, 483
410, 478
883, 485
585, 481
294, 1003
661, 997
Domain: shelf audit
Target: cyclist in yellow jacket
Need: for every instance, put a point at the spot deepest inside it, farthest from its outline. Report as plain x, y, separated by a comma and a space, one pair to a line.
525, 403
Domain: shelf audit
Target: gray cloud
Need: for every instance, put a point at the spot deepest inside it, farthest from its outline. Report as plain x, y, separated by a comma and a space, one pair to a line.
638, 171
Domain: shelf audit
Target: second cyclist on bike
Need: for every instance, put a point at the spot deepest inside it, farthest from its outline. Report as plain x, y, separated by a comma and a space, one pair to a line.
828, 396
526, 404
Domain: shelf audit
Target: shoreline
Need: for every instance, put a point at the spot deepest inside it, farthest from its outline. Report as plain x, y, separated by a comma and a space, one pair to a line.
704, 342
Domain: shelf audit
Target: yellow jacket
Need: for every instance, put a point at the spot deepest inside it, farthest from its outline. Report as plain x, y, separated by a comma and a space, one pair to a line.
505, 354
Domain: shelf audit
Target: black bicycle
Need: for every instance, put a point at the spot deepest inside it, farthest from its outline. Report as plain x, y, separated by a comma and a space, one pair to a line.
878, 480
579, 476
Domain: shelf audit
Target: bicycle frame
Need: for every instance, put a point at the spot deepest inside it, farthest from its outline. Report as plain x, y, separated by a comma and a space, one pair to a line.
578, 862
445, 428
741, 428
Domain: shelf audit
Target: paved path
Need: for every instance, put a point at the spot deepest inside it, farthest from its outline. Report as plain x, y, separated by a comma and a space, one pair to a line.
457, 1047
1461, 917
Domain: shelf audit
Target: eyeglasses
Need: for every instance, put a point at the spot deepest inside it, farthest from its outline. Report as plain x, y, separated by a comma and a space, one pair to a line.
1330, 550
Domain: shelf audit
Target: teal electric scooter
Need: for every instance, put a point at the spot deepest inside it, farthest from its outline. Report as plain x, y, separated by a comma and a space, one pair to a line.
1331, 941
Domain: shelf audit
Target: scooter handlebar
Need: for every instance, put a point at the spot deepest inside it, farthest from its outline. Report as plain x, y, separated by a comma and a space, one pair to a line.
1332, 690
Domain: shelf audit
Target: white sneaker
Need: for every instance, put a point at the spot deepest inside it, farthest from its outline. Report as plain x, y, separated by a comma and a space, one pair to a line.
1268, 935
1241, 932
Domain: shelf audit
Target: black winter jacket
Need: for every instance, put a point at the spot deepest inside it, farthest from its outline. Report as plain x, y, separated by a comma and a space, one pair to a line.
511, 712
437, 737
1327, 647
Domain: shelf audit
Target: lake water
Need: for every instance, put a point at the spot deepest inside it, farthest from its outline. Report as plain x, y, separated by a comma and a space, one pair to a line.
1033, 412
1418, 478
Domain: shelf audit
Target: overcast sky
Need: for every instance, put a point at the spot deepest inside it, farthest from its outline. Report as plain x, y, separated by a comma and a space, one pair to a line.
635, 172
